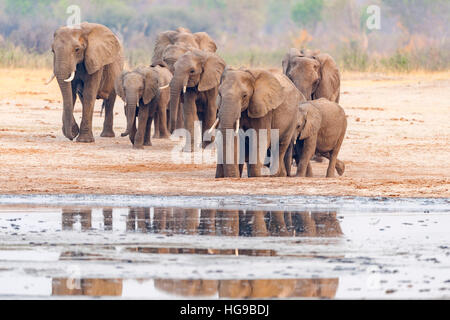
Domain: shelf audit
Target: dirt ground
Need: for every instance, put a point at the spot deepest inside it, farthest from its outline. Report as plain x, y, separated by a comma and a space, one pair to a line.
397, 145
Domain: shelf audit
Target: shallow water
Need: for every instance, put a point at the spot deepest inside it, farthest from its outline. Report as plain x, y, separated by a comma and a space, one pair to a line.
258, 247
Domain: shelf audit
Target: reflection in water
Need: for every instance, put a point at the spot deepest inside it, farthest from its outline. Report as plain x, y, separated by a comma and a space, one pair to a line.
236, 289
86, 287
209, 222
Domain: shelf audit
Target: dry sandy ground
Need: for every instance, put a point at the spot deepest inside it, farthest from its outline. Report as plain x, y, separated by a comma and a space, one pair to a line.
397, 145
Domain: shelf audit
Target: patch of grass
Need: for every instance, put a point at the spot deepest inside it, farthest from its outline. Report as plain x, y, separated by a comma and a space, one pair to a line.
17, 57
253, 57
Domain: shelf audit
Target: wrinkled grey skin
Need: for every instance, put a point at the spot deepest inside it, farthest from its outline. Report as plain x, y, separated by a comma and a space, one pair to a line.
200, 73
171, 45
95, 54
316, 75
321, 128
260, 99
143, 92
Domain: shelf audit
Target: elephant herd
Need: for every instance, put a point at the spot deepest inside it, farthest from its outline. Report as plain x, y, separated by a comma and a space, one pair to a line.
188, 81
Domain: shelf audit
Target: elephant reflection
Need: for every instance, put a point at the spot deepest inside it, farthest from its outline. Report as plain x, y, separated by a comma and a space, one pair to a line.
262, 288
211, 222
71, 215
86, 287
249, 223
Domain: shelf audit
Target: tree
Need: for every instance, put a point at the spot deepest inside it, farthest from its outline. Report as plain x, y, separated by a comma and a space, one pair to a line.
307, 13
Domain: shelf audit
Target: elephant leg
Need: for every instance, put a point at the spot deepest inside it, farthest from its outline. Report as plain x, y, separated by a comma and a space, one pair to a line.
157, 124
340, 165
288, 159
309, 171
162, 116
109, 117
148, 130
308, 150
142, 124
90, 90
189, 115
254, 170
180, 118
219, 171
75, 127
282, 171
241, 168
133, 131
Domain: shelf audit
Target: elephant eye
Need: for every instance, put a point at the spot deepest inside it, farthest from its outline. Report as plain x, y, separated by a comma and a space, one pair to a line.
192, 71
244, 96
77, 49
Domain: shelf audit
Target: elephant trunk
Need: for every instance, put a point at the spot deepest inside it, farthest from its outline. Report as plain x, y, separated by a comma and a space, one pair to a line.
130, 112
177, 85
305, 90
228, 120
64, 70
230, 152
68, 121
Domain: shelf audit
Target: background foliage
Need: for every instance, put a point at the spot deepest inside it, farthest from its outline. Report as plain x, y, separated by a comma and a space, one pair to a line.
414, 33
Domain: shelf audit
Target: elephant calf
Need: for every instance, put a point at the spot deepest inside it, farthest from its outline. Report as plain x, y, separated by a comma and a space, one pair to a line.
321, 129
145, 92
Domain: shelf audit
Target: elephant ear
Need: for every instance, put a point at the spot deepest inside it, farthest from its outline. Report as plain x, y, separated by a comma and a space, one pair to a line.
118, 85
313, 121
268, 94
151, 85
103, 47
212, 72
163, 40
330, 80
205, 42
293, 52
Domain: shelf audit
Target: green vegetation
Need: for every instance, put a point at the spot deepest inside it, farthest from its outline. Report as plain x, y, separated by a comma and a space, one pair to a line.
414, 33
307, 13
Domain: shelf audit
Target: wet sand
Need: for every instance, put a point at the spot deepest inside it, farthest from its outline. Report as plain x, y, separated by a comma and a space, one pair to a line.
397, 145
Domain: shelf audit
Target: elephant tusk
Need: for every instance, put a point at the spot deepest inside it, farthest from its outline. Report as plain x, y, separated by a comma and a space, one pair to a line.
213, 126
184, 89
50, 79
237, 126
72, 75
164, 87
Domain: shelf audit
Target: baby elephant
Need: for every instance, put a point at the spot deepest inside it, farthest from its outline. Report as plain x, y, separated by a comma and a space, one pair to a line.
321, 129
145, 91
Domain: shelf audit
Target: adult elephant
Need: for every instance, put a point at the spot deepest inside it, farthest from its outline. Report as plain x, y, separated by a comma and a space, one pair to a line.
316, 75
196, 78
171, 45
86, 60
256, 99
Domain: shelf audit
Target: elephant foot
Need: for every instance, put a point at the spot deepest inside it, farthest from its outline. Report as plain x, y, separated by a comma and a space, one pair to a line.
138, 146
108, 133
86, 138
280, 174
148, 144
124, 134
340, 167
